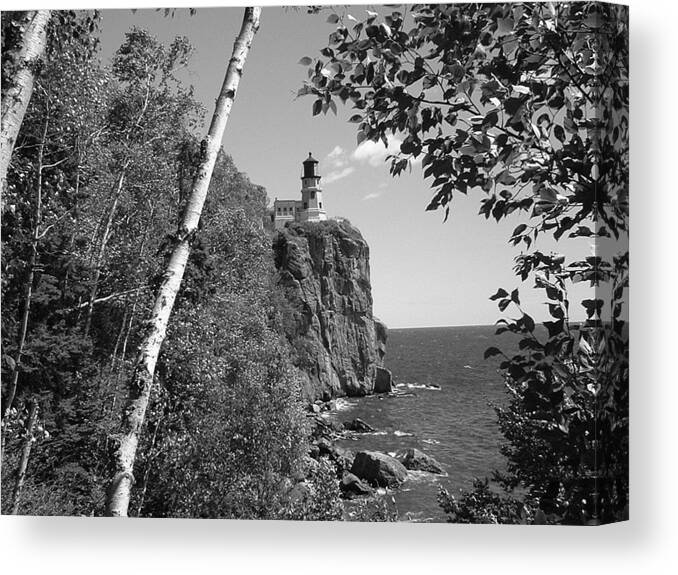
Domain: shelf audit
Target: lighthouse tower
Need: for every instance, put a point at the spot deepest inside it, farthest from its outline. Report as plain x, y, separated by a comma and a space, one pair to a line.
311, 193
310, 207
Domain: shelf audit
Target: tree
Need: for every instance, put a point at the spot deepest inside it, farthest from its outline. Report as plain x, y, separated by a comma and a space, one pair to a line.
526, 103
141, 380
26, 38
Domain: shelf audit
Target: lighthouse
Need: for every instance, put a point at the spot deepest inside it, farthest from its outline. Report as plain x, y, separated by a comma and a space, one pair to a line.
311, 192
310, 208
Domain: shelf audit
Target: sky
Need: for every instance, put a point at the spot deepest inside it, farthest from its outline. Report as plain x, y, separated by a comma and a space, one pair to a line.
424, 272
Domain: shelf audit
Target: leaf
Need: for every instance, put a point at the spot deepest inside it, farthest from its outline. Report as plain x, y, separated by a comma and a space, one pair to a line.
356, 119
317, 107
559, 133
519, 230
10, 362
554, 327
333, 19
491, 352
306, 61
500, 293
491, 119
514, 297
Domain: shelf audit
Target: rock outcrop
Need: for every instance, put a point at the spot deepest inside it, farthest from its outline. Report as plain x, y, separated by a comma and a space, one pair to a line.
324, 273
351, 487
383, 382
418, 460
378, 469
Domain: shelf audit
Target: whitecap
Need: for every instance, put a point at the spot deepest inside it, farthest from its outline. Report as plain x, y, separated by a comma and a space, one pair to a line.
431, 441
402, 433
432, 386
343, 404
468, 367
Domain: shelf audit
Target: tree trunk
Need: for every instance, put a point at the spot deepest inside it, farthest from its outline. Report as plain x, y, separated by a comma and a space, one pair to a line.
16, 96
141, 380
25, 455
102, 248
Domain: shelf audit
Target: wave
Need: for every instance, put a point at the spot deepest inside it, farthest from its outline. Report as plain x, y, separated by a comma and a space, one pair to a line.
343, 404
415, 385
431, 441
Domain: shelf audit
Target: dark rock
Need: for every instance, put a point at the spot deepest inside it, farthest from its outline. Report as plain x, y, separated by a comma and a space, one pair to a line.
418, 460
314, 451
351, 486
340, 457
324, 273
343, 460
378, 469
358, 425
383, 382
325, 446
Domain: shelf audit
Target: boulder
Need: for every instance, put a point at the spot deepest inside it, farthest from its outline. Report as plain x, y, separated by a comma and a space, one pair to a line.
351, 486
383, 382
358, 425
378, 469
325, 446
314, 451
418, 460
343, 459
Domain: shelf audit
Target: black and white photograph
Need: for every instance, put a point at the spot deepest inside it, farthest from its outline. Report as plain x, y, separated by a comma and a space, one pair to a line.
352, 263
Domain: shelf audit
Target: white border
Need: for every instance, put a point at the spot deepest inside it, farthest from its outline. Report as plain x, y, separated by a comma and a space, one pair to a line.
647, 543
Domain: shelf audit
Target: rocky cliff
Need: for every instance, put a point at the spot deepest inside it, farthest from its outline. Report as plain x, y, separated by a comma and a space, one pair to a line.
324, 274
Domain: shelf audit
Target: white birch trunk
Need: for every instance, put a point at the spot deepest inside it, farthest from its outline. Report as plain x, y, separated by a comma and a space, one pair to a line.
140, 383
15, 98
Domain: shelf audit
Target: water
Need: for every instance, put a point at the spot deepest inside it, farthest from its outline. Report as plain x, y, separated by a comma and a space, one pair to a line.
440, 406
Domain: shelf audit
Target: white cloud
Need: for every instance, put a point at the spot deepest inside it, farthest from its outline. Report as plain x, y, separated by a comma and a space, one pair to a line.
374, 153
372, 196
337, 158
338, 175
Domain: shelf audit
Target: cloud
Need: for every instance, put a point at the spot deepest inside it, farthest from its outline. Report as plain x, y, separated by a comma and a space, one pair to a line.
372, 196
338, 163
374, 153
338, 175
337, 158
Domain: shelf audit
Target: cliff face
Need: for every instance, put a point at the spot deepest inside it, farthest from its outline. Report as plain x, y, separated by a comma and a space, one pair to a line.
324, 274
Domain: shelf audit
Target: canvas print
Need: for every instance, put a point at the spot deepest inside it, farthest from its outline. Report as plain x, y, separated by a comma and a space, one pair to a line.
321, 263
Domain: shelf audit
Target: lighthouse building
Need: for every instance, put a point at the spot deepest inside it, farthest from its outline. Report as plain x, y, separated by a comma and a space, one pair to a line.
310, 207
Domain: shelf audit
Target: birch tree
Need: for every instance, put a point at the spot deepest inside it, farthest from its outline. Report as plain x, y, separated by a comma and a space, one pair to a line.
29, 49
140, 383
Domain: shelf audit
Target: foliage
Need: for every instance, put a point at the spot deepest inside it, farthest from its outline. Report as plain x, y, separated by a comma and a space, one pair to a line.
373, 509
528, 104
231, 435
99, 175
482, 505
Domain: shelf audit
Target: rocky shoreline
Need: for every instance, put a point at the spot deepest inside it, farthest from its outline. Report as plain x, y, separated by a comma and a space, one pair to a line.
363, 475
